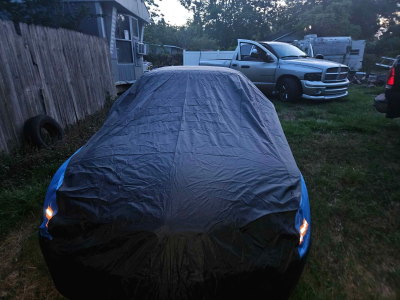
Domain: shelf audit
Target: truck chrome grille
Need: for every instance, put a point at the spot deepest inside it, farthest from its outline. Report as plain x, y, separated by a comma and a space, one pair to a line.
336, 74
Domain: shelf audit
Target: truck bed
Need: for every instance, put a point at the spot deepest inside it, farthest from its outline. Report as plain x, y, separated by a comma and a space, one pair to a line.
216, 63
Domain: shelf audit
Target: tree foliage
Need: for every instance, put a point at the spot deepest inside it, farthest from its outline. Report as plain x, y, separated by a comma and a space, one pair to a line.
164, 59
388, 44
328, 19
227, 20
50, 13
368, 15
217, 24
187, 37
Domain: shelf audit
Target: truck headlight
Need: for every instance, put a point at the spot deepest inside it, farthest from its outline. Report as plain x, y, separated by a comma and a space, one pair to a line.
313, 76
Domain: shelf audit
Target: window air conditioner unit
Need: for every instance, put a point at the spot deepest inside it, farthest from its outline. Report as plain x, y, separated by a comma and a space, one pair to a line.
142, 49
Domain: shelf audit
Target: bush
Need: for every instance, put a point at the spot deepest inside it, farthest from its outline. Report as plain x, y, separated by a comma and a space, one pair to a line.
164, 59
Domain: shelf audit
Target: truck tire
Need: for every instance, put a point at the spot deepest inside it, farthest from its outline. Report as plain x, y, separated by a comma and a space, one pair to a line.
36, 126
289, 90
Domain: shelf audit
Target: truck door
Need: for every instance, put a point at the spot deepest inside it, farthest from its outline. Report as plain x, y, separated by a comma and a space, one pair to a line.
261, 73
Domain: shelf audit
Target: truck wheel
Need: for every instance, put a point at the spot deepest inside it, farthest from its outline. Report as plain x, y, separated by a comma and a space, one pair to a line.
289, 90
42, 130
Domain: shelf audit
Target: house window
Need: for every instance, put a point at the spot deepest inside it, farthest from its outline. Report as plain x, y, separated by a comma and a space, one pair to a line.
124, 52
135, 28
123, 39
122, 30
355, 52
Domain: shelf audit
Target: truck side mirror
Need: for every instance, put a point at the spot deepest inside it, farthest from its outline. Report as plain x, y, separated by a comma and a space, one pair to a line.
267, 58
319, 56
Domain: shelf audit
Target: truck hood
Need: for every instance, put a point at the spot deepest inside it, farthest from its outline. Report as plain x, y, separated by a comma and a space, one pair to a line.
312, 63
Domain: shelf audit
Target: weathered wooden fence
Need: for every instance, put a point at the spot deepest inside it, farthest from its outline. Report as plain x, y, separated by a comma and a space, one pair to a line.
61, 73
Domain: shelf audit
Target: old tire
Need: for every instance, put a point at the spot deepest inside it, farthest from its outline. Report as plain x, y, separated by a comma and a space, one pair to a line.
289, 90
34, 129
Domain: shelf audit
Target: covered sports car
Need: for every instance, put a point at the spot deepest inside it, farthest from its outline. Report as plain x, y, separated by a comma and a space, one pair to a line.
188, 191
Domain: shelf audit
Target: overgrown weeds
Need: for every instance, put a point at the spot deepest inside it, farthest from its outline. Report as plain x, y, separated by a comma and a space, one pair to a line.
24, 177
26, 173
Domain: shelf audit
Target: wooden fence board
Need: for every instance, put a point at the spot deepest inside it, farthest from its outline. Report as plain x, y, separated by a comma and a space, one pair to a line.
65, 110
75, 79
83, 93
67, 71
33, 78
61, 73
11, 82
31, 37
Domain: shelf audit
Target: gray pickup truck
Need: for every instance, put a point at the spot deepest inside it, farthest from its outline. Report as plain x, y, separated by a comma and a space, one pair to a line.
281, 67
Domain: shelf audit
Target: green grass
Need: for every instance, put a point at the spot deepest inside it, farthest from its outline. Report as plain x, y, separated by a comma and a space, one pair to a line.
25, 175
349, 155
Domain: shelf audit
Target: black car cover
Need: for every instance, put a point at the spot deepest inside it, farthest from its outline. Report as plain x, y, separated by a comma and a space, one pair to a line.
188, 191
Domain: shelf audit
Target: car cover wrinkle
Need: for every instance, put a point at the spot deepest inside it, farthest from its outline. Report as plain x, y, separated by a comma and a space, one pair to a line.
168, 208
266, 131
99, 135
188, 191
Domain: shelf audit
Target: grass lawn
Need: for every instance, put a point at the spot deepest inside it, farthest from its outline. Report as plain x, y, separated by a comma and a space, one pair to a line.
349, 156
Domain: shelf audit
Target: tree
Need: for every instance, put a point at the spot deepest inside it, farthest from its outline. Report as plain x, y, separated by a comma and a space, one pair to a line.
368, 15
153, 9
227, 20
162, 33
48, 13
202, 43
222, 22
359, 18
388, 43
328, 19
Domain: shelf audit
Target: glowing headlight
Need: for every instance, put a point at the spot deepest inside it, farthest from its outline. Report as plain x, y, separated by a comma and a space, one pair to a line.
313, 76
303, 230
49, 214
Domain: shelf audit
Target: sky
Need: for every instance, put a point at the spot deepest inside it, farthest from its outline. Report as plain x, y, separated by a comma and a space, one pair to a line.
173, 11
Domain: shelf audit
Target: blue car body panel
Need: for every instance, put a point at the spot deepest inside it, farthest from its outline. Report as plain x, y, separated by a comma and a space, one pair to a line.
50, 199
304, 213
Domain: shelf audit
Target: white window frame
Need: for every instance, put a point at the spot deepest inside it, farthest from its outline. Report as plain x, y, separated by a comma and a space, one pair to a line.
133, 19
126, 41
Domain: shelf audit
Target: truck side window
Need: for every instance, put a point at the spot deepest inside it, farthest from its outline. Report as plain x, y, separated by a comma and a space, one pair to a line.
245, 50
269, 49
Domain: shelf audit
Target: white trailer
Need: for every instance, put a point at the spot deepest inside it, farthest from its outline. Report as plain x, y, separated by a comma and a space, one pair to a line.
339, 49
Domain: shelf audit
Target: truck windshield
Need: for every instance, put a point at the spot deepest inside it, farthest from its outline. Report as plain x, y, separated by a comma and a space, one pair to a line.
287, 51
